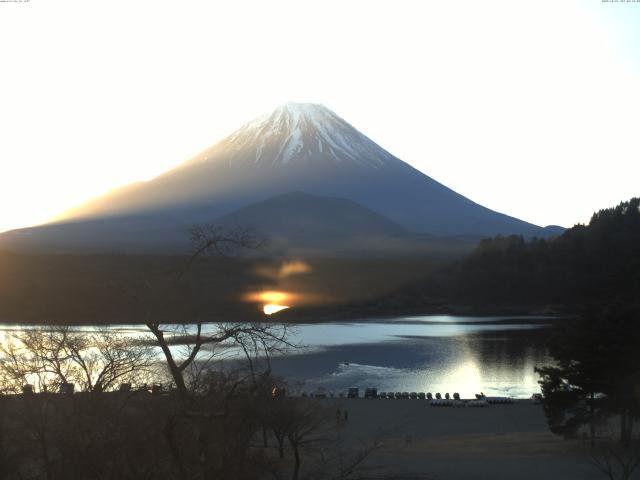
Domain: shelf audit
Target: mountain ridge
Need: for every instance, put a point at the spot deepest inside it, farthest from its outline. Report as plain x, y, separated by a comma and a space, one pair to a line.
305, 148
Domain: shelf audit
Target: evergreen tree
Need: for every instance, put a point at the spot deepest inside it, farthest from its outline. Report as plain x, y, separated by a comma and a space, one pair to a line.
597, 372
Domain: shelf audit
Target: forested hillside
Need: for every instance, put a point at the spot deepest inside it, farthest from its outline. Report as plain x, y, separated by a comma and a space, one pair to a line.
588, 264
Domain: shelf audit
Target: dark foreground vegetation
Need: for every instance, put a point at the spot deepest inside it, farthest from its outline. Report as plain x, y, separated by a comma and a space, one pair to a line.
210, 423
596, 383
597, 374
231, 428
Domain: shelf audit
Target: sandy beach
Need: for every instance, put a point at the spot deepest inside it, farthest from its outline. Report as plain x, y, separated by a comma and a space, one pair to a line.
495, 442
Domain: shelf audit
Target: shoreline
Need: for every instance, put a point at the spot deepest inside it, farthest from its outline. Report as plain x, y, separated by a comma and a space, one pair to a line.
530, 316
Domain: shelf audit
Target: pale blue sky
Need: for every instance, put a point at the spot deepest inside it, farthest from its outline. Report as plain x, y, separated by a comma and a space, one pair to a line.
527, 107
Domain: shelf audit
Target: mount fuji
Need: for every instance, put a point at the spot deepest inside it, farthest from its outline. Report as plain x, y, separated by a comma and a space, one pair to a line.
302, 148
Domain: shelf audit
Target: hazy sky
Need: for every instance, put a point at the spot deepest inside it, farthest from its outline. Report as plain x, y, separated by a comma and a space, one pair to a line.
531, 108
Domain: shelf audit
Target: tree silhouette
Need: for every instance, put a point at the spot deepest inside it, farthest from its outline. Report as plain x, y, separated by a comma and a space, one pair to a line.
597, 371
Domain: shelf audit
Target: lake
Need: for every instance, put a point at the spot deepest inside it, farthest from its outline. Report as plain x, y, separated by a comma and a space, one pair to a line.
468, 355
434, 353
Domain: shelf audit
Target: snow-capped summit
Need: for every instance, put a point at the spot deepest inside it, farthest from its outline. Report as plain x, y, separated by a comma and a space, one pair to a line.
302, 132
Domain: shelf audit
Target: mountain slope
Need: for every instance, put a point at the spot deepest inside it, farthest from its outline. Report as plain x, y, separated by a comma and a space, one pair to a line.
303, 147
297, 147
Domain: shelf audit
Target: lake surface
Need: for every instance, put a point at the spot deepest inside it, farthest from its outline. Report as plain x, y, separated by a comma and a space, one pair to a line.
494, 355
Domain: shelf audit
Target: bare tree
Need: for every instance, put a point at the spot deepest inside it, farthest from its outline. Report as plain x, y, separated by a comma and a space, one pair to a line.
278, 421
253, 339
49, 357
617, 462
210, 433
35, 356
340, 461
104, 358
307, 422
209, 238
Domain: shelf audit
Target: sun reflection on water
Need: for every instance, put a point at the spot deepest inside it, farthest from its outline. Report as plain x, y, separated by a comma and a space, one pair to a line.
273, 301
271, 308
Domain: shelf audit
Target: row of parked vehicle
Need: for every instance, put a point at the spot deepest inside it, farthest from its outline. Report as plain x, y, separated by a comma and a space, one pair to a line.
411, 395
437, 399
371, 392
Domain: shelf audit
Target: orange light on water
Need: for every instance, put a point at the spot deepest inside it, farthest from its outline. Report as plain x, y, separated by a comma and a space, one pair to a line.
271, 308
272, 301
